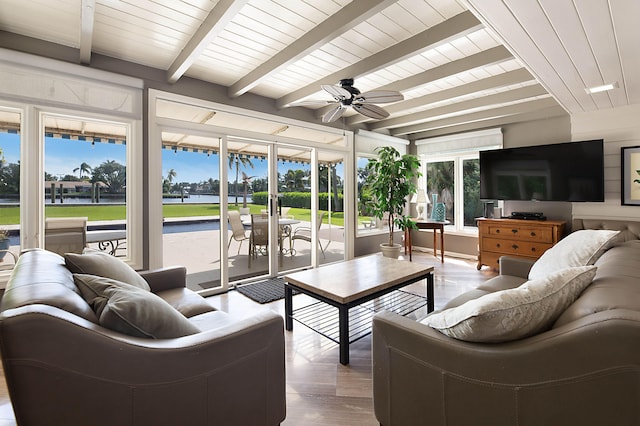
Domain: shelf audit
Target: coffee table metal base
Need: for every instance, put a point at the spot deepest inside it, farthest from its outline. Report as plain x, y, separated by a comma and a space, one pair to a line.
344, 321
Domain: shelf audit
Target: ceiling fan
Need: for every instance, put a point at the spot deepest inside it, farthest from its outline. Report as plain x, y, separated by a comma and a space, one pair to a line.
345, 96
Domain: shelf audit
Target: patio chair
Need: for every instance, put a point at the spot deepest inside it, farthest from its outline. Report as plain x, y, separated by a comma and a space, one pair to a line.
238, 232
259, 237
304, 233
65, 234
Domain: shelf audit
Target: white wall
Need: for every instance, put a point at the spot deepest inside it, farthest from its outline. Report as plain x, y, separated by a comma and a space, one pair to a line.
618, 127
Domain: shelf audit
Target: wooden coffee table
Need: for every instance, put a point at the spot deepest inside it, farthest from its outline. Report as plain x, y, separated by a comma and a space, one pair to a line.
352, 283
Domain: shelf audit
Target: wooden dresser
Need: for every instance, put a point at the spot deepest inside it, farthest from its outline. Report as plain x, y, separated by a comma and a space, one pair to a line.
515, 237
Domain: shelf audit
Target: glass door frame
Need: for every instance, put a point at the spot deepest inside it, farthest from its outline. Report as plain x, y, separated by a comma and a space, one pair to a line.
157, 124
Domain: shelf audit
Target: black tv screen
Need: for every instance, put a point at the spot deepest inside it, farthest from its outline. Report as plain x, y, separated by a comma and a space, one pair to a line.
572, 171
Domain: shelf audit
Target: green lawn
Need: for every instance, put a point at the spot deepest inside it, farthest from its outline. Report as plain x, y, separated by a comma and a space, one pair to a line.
11, 215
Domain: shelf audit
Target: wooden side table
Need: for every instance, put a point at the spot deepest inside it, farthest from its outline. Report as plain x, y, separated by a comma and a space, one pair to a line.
427, 224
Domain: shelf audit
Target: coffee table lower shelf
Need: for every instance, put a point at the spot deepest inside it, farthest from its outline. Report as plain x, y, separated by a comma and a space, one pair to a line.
323, 318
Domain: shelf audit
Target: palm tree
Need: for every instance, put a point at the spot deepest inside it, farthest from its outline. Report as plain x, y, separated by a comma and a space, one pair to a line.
245, 182
83, 169
235, 160
166, 182
294, 180
171, 174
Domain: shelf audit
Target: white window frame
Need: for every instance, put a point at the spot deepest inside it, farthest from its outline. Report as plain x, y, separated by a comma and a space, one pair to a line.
365, 143
54, 95
457, 148
157, 124
458, 179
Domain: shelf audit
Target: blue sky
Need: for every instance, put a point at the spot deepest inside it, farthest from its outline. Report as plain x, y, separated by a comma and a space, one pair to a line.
64, 155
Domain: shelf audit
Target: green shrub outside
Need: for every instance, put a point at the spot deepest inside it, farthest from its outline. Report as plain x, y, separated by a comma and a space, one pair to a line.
300, 200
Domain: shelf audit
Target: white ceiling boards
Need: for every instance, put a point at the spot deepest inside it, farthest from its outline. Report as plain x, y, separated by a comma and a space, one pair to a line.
460, 64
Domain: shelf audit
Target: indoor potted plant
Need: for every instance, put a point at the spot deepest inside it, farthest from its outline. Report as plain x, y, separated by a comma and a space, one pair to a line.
392, 179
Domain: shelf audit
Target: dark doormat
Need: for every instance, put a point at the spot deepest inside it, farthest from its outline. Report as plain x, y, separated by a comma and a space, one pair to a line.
264, 291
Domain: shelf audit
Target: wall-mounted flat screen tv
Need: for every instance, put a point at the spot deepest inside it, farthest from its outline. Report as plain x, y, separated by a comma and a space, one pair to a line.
572, 171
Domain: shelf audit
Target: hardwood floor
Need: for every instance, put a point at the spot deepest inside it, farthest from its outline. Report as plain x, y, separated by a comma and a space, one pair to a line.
321, 391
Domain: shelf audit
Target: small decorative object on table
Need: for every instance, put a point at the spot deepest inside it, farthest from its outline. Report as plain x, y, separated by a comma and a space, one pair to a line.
4, 243
438, 212
434, 197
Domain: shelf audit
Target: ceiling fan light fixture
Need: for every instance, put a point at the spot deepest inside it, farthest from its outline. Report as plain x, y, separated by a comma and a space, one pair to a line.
345, 96
603, 88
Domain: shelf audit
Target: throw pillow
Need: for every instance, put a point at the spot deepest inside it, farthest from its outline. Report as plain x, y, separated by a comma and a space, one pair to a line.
104, 265
579, 248
514, 313
131, 310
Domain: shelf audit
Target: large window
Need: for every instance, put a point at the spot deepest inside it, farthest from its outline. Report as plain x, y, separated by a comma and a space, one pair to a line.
75, 139
451, 174
10, 124
455, 182
366, 144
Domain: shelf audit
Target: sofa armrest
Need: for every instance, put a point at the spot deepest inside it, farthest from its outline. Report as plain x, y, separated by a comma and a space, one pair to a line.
515, 266
421, 376
51, 355
165, 278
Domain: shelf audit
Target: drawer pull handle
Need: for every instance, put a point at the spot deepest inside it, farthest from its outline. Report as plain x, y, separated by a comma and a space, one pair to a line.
533, 249
533, 234
515, 247
498, 245
497, 231
515, 231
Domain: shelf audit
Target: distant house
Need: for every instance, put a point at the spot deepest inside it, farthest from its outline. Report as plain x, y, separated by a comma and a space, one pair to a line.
71, 186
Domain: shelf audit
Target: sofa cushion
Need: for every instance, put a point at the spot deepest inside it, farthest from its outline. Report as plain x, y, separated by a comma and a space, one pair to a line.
615, 286
514, 313
104, 265
213, 320
131, 310
579, 248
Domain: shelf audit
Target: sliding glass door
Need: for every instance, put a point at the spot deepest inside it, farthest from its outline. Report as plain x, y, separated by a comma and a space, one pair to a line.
249, 207
296, 207
191, 207
274, 197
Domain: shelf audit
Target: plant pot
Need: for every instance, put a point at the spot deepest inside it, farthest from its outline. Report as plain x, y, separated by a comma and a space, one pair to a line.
392, 251
4, 247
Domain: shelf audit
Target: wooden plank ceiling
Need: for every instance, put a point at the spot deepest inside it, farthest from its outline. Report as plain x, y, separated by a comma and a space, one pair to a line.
460, 64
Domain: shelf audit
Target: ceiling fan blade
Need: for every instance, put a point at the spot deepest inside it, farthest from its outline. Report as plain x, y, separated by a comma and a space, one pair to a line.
336, 91
371, 111
379, 97
333, 114
317, 103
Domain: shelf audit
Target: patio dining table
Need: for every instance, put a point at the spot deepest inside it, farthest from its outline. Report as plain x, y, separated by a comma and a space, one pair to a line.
284, 224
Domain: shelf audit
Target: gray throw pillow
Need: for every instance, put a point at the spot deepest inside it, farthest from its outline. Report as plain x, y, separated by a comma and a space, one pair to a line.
104, 265
131, 310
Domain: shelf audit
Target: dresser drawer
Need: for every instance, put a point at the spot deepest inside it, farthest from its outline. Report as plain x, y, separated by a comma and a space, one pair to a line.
515, 248
522, 233
513, 237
